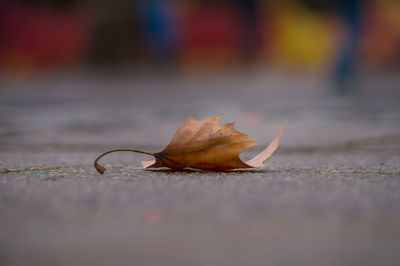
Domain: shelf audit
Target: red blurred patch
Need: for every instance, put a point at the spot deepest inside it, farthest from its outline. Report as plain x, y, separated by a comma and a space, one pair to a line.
211, 33
251, 118
153, 215
37, 36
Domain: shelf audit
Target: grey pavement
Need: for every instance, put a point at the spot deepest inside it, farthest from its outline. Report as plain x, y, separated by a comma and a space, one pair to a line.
329, 196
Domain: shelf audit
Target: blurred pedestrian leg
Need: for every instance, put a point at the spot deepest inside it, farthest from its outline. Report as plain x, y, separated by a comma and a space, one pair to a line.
345, 67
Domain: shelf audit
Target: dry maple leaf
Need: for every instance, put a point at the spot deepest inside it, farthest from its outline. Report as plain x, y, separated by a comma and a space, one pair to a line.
207, 145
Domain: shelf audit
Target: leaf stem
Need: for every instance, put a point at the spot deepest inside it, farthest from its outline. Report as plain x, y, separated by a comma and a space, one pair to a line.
101, 169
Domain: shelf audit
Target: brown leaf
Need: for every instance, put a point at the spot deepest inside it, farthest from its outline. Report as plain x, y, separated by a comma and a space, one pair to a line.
205, 144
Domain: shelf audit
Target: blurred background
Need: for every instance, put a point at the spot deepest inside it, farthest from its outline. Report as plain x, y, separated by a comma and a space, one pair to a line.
312, 35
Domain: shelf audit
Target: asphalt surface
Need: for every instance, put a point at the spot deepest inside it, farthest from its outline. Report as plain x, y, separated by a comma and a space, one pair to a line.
329, 196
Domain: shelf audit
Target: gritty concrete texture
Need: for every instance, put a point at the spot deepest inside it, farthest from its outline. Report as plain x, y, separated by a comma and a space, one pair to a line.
330, 195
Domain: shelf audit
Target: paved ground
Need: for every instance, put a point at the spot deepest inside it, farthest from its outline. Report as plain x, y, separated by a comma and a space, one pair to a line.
331, 195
